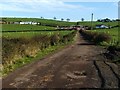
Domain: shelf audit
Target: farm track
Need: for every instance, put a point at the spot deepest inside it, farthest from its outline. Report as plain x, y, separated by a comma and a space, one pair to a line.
81, 65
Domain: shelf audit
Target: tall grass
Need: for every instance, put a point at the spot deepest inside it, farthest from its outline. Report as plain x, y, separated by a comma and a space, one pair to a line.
113, 32
95, 37
31, 34
107, 37
15, 49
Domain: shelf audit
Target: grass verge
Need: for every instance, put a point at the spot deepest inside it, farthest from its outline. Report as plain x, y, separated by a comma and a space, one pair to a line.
27, 60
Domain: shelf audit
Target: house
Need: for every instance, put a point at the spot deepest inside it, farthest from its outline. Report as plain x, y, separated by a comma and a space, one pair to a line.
16, 22
30, 22
25, 22
3, 22
101, 26
34, 23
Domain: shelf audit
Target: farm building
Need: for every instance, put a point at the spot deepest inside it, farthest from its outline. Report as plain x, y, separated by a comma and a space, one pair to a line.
3, 22
25, 22
16, 22
101, 26
33, 23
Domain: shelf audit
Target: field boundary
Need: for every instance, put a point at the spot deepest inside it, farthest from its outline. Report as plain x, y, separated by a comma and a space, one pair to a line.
34, 30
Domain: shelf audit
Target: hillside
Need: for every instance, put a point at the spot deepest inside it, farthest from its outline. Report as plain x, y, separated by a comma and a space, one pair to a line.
18, 27
88, 23
46, 22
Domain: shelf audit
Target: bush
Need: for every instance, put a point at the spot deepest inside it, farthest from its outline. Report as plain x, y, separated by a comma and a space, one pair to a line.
101, 37
96, 37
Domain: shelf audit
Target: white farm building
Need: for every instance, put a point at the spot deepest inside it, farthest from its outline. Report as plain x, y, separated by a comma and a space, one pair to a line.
33, 23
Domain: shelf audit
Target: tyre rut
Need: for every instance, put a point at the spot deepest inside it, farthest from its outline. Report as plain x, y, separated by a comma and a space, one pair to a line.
79, 66
109, 78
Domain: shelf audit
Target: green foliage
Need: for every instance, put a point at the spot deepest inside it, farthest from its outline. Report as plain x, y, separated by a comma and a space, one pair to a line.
109, 38
113, 32
32, 34
44, 22
20, 50
88, 23
18, 27
95, 37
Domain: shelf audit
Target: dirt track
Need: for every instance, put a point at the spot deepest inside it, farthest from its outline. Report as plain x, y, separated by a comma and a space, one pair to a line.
80, 65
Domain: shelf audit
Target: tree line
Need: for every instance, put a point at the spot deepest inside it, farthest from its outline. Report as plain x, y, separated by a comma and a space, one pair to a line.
107, 20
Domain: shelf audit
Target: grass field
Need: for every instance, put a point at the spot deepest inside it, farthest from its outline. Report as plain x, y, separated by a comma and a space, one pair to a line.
46, 24
32, 34
85, 23
42, 21
18, 27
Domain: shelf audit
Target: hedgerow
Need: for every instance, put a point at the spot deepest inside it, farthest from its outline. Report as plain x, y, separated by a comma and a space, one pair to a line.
14, 49
96, 37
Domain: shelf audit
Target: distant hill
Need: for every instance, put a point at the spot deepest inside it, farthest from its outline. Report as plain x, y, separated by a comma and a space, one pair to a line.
54, 23
44, 22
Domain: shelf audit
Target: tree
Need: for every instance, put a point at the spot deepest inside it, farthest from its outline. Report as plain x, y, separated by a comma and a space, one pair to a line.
41, 17
104, 20
77, 23
107, 20
68, 19
62, 19
98, 20
117, 19
54, 18
82, 19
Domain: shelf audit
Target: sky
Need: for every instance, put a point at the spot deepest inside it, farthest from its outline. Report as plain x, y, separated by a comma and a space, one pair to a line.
72, 9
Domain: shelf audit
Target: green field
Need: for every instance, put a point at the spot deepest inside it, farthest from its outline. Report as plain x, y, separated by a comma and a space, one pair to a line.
46, 24
59, 23
18, 27
20, 48
88, 23
49, 22
32, 34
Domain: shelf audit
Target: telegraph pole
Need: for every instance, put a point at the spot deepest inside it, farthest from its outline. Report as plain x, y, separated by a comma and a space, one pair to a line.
119, 22
92, 21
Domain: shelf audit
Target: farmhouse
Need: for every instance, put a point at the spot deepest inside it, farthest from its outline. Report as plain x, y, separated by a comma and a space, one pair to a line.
3, 22
101, 26
16, 22
25, 22
33, 23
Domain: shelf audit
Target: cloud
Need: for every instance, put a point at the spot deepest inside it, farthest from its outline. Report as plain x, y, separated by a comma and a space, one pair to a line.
115, 4
63, 0
38, 6
13, 7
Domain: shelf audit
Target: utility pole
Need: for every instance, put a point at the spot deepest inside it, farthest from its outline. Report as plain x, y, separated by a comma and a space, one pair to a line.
119, 22
92, 21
